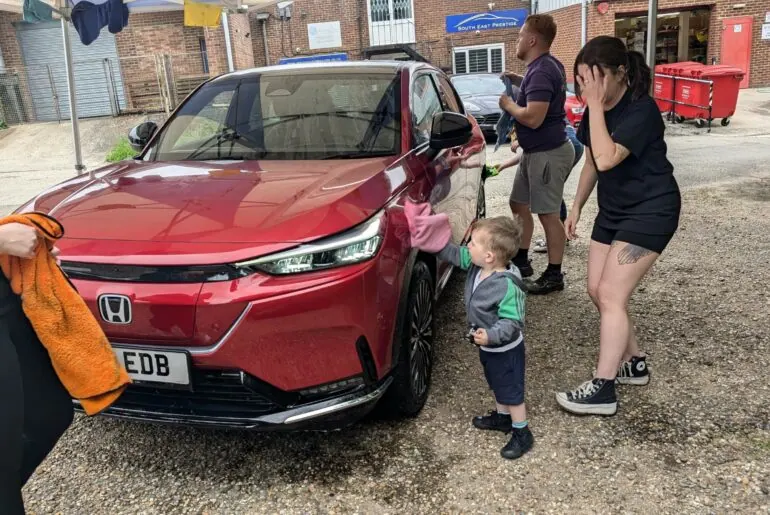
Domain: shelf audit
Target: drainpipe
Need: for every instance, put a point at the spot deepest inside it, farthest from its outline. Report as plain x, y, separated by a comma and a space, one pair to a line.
584, 19
2, 61
264, 39
228, 43
263, 17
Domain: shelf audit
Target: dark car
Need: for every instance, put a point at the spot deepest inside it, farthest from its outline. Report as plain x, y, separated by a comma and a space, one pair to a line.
480, 93
252, 266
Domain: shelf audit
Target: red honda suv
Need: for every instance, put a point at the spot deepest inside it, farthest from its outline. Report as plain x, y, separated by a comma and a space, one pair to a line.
252, 265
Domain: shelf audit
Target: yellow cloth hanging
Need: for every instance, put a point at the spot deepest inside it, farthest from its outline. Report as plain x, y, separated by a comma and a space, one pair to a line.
202, 15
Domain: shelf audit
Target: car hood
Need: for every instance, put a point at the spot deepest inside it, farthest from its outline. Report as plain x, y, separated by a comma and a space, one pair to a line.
485, 102
182, 213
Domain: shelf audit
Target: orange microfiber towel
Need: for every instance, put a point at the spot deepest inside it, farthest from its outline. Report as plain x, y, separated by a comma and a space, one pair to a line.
79, 350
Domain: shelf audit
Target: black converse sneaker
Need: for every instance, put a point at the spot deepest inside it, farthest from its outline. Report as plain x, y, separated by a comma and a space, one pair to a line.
521, 441
595, 397
634, 372
494, 421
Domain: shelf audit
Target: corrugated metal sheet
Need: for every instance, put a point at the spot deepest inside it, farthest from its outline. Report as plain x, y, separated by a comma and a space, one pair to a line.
544, 6
98, 81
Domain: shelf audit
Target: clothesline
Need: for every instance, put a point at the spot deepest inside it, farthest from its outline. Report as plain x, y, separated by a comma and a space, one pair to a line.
135, 6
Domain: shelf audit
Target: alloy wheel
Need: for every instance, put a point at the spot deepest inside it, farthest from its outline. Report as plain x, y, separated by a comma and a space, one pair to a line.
421, 339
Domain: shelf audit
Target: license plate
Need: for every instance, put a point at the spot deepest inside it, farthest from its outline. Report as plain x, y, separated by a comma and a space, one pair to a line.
148, 366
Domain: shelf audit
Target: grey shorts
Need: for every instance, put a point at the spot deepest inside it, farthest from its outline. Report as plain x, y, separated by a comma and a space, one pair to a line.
540, 179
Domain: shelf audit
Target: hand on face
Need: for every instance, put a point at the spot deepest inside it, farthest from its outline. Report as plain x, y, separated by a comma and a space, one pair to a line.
593, 85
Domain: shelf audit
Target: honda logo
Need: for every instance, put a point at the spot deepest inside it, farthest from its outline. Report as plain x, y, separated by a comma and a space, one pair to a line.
115, 309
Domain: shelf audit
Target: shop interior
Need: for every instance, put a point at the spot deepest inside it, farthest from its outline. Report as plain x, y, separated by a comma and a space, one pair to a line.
681, 35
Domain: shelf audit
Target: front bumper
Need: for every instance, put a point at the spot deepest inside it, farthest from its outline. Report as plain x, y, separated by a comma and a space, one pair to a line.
488, 122
247, 410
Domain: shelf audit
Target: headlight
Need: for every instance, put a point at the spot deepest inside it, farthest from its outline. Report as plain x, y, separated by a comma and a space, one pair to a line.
354, 246
577, 110
470, 106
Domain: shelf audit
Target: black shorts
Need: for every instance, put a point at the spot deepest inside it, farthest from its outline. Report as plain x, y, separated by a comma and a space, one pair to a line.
505, 374
653, 242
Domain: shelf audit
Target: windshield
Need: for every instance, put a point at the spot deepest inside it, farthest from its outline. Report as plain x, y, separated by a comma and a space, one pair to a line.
286, 117
478, 85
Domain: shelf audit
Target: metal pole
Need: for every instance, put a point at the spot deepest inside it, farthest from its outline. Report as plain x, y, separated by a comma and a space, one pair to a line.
228, 44
584, 26
652, 32
79, 168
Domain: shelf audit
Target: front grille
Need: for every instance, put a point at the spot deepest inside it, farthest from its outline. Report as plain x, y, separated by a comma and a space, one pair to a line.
216, 394
490, 119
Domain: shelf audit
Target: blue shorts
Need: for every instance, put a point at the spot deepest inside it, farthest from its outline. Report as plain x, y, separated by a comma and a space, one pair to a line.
505, 374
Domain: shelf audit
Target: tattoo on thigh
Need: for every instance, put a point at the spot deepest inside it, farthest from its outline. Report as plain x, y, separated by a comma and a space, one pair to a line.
630, 253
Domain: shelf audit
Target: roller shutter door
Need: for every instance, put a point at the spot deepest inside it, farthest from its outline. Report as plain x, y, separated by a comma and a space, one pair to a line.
98, 81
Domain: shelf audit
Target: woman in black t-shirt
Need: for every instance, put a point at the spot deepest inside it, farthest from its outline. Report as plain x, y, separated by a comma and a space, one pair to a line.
639, 205
36, 409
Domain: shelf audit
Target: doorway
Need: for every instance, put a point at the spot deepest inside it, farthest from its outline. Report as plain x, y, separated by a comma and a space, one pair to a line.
680, 36
736, 44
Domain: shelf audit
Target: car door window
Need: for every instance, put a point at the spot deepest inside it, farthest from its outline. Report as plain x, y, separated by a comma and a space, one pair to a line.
448, 96
425, 104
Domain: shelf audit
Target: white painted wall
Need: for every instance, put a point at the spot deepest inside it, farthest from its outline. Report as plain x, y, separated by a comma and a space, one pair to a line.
544, 6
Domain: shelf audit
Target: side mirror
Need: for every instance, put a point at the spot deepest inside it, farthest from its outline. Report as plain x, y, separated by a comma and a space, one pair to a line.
450, 130
139, 136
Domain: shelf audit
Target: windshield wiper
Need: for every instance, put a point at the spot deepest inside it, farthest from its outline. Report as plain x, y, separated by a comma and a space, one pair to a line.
226, 134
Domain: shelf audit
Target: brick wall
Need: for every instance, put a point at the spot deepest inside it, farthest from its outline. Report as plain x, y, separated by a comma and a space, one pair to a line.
290, 38
567, 43
240, 38
568, 39
14, 64
145, 36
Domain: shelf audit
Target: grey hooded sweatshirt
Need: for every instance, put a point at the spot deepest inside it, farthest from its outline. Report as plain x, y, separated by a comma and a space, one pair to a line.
497, 303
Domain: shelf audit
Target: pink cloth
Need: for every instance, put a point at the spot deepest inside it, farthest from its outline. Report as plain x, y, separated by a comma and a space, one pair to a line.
428, 232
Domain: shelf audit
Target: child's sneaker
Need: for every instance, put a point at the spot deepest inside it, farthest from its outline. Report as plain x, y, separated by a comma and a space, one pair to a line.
521, 441
494, 421
595, 397
634, 372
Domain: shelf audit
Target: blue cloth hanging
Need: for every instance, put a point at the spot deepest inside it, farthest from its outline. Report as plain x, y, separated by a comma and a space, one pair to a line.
505, 124
89, 18
34, 11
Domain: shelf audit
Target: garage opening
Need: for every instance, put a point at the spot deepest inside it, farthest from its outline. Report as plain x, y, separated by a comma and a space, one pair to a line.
681, 35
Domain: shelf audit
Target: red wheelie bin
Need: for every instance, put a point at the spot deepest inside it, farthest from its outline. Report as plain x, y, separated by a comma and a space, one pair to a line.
663, 91
665, 79
707, 93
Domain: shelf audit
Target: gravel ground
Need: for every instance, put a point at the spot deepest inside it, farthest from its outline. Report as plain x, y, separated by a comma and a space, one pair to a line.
696, 440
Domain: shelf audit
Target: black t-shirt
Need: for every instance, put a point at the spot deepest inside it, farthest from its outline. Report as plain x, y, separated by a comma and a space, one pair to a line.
8, 299
640, 194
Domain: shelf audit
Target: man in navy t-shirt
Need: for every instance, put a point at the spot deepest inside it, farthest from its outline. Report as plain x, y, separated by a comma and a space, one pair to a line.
539, 122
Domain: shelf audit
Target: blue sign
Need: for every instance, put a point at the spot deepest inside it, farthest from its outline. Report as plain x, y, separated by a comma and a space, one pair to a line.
341, 56
489, 20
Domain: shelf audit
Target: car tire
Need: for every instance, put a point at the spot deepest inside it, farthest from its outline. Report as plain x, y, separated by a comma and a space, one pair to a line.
481, 205
413, 371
